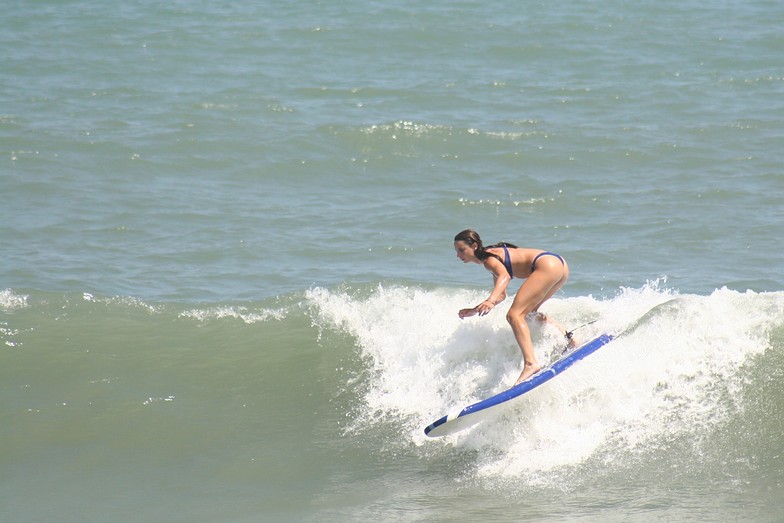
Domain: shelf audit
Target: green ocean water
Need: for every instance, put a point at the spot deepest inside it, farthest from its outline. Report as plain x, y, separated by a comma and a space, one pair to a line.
312, 407
228, 290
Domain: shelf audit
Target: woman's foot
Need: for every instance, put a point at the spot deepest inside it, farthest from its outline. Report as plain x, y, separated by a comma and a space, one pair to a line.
529, 369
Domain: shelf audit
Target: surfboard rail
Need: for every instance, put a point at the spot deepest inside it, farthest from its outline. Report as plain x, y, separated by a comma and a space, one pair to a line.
465, 417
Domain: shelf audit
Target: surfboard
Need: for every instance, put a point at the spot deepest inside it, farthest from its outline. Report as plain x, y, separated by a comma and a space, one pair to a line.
465, 417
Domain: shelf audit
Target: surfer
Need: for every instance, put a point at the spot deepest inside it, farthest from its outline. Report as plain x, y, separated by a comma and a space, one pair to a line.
544, 273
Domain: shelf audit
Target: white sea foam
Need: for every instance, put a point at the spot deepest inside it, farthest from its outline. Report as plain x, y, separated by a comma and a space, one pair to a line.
660, 375
241, 313
10, 300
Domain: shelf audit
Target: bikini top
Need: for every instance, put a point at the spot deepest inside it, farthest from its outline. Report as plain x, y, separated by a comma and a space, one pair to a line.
507, 261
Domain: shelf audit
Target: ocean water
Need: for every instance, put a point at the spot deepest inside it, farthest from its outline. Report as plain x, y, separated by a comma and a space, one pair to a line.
228, 290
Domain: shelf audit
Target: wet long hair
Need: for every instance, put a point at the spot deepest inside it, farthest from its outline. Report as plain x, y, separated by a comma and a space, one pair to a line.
471, 237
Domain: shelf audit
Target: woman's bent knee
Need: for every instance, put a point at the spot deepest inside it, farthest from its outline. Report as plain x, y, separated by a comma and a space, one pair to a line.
515, 317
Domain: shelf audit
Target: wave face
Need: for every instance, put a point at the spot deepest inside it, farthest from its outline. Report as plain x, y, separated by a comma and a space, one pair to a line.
322, 396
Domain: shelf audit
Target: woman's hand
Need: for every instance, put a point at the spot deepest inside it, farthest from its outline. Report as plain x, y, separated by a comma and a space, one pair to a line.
466, 313
484, 307
481, 309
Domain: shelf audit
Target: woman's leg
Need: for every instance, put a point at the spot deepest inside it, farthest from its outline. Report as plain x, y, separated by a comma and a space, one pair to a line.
540, 286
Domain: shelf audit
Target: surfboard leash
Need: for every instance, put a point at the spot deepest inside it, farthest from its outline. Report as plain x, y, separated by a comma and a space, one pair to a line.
570, 334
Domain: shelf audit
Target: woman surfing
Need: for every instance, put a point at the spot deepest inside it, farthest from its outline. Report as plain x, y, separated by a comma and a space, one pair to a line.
544, 273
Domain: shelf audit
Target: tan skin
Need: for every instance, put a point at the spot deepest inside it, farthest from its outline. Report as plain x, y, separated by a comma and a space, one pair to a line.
540, 285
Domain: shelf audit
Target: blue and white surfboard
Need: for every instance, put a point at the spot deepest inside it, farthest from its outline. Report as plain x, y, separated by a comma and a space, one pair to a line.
467, 416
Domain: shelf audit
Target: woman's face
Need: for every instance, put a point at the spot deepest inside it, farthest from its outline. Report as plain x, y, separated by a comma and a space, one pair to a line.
466, 253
